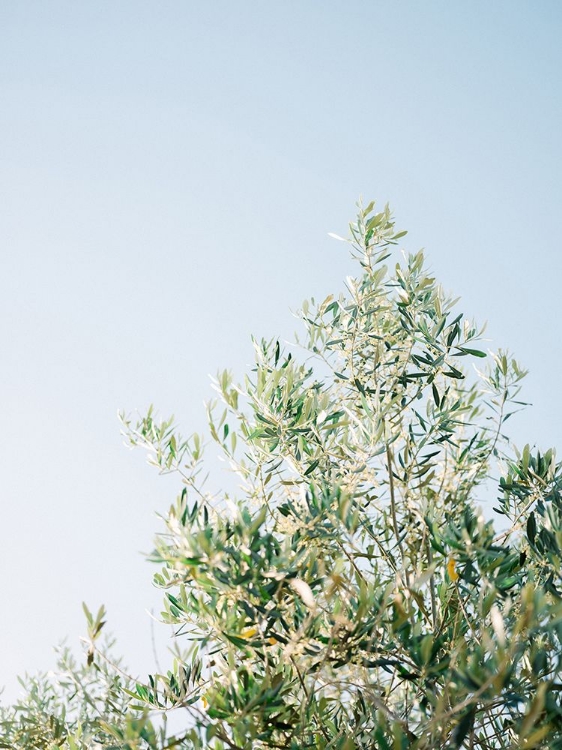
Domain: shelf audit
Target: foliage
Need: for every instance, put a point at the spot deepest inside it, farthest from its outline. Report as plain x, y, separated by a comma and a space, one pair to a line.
80, 706
350, 594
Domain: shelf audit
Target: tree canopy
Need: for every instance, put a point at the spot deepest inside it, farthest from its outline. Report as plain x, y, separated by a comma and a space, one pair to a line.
349, 593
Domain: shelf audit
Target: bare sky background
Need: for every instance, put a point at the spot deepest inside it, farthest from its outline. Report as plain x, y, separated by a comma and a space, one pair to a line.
169, 173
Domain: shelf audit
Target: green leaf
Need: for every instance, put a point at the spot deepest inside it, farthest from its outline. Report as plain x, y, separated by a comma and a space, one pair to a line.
474, 352
463, 727
311, 468
531, 528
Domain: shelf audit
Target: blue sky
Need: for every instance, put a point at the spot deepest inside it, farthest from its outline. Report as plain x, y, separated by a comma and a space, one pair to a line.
169, 173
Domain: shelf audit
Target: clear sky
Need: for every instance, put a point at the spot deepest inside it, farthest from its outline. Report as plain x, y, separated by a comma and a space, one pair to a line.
169, 173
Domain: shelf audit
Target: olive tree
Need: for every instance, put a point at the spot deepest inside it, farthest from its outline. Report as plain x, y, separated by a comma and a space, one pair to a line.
350, 593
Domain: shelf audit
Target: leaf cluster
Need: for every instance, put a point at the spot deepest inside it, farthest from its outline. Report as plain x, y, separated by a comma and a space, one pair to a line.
350, 593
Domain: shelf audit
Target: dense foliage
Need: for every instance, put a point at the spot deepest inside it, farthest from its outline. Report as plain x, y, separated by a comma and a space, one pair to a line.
350, 594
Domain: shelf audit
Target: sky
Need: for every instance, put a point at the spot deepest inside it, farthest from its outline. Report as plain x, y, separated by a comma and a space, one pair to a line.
169, 173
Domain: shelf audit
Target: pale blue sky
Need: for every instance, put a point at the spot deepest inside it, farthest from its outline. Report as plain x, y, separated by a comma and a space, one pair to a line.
169, 173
